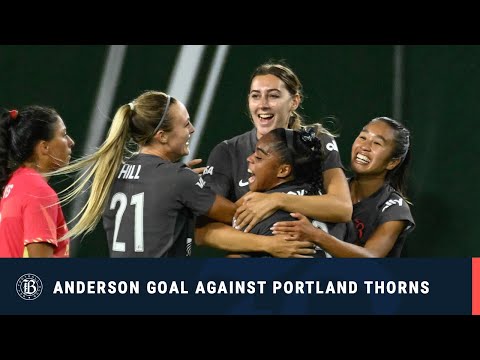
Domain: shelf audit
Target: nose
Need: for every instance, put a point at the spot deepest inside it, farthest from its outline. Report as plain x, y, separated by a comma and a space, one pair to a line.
264, 101
250, 159
367, 145
72, 143
192, 128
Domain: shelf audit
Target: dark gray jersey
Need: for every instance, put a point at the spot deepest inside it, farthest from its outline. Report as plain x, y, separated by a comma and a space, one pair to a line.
227, 166
384, 205
263, 228
152, 207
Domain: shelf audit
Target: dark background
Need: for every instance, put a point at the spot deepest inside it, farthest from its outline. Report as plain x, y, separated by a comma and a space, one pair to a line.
352, 83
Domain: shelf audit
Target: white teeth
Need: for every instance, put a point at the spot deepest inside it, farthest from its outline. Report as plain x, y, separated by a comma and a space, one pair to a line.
249, 171
265, 116
363, 158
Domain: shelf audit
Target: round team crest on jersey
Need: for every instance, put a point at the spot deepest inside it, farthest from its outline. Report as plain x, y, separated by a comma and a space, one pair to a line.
29, 286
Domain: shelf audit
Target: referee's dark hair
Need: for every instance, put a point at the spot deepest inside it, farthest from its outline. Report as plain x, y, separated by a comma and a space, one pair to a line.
20, 131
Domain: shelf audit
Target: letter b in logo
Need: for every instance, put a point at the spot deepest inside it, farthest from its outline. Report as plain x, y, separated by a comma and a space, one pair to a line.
29, 287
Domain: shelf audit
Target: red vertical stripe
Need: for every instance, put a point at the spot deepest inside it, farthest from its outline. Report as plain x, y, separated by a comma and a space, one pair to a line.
475, 286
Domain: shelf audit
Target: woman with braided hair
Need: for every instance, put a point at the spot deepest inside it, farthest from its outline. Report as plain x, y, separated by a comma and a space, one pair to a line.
33, 142
289, 162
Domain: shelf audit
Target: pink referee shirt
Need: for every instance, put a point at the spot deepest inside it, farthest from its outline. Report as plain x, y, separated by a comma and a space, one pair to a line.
30, 213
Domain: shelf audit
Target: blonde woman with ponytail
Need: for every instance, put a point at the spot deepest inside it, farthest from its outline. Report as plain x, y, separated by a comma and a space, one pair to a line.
148, 198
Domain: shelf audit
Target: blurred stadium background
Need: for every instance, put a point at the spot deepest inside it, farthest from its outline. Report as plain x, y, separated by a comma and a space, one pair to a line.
433, 89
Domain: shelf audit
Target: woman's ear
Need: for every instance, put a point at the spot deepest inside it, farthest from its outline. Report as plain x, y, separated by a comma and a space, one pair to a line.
295, 102
42, 147
161, 136
284, 171
393, 163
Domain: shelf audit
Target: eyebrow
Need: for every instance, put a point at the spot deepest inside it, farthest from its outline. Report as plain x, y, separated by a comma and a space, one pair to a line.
262, 151
269, 90
377, 136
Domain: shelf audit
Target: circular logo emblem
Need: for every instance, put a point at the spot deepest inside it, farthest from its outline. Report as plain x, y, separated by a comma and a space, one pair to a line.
29, 287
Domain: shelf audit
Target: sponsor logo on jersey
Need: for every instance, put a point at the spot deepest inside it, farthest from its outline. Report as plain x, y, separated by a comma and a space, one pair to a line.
29, 286
208, 170
201, 183
242, 183
297, 192
332, 146
392, 202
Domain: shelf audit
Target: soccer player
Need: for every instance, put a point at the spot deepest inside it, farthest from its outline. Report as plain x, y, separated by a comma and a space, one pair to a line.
381, 217
274, 98
149, 199
290, 162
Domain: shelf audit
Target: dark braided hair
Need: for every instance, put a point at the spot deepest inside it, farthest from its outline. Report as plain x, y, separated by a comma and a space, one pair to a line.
302, 149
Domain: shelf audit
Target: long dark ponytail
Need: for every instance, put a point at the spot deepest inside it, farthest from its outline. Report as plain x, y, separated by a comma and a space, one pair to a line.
398, 176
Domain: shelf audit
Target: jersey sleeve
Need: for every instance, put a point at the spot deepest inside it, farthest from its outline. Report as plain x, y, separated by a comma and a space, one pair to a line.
332, 156
396, 209
40, 216
218, 173
193, 192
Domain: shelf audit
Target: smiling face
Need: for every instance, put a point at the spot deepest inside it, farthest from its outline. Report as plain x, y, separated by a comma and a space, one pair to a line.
270, 103
372, 150
177, 140
59, 148
265, 167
